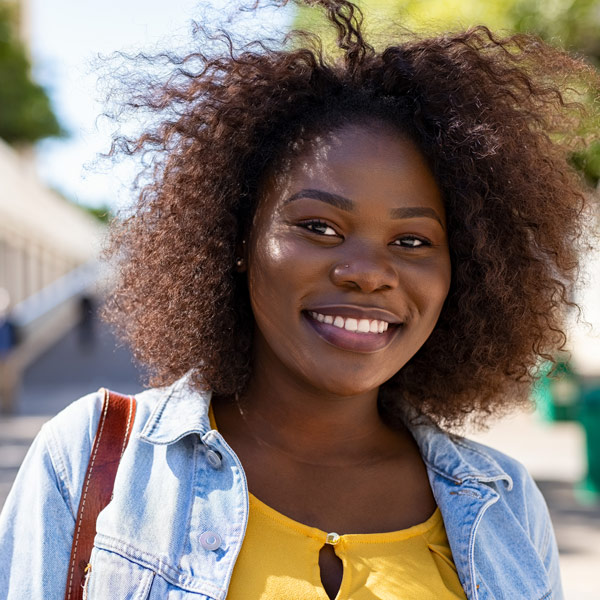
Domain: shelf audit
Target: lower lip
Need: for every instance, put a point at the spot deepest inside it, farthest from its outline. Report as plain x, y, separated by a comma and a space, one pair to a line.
351, 340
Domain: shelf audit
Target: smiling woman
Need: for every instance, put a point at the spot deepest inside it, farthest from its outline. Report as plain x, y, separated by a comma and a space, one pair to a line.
334, 264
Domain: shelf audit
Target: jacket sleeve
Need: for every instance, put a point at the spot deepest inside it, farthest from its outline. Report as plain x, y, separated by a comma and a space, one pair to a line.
36, 529
38, 518
545, 538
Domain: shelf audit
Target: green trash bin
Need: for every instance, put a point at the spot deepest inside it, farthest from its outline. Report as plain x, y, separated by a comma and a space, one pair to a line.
589, 415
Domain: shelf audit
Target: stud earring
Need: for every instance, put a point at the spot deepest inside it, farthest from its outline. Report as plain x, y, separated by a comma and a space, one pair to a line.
239, 262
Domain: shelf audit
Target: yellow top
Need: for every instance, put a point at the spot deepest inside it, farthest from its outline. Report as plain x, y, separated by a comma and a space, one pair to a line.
280, 559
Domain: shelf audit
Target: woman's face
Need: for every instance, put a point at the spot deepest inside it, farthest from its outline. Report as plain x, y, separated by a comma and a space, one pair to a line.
348, 263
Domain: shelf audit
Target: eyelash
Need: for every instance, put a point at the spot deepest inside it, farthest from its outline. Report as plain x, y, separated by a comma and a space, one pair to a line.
424, 243
310, 225
316, 222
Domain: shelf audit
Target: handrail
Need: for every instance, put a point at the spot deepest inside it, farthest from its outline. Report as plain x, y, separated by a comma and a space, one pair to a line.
73, 284
40, 321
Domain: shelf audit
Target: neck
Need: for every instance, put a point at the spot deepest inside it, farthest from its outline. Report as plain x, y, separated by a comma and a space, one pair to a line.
310, 425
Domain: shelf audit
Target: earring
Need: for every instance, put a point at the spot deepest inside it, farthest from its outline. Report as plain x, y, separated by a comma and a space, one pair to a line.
239, 262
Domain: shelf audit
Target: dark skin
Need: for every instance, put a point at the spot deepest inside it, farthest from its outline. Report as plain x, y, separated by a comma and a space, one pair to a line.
355, 229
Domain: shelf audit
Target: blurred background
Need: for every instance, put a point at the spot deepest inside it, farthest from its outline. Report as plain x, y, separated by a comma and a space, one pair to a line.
56, 199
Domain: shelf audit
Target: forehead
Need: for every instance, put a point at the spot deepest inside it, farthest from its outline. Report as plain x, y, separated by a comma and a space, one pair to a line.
366, 163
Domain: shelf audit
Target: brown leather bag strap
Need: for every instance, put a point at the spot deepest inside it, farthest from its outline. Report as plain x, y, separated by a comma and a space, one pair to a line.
112, 435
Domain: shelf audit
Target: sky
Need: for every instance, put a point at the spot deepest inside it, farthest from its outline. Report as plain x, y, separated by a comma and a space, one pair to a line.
66, 38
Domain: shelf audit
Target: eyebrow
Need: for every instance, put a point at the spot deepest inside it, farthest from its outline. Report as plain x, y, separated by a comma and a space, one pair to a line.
327, 197
413, 212
409, 212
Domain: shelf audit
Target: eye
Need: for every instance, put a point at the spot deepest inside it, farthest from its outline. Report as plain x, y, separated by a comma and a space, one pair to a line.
319, 227
411, 241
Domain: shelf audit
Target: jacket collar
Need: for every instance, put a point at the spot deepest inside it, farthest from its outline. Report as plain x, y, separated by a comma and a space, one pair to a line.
183, 410
454, 457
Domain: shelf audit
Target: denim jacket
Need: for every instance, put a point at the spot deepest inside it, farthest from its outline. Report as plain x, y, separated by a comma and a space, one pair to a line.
177, 519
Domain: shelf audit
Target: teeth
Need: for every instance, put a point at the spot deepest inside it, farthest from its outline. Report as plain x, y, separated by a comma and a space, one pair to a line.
364, 326
351, 324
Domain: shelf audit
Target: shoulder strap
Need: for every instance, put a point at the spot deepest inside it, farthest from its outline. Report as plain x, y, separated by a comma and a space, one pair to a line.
110, 442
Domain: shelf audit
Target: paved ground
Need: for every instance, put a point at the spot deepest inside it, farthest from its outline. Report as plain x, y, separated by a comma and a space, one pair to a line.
552, 452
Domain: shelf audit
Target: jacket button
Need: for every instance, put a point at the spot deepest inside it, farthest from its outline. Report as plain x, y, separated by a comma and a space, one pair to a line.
213, 458
210, 540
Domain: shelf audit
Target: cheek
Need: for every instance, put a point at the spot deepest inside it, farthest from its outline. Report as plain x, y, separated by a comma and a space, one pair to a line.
277, 276
268, 263
282, 260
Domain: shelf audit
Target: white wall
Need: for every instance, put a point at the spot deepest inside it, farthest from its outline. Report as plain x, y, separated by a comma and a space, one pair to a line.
42, 236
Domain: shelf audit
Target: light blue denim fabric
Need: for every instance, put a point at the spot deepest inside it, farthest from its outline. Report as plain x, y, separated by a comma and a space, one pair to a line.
168, 493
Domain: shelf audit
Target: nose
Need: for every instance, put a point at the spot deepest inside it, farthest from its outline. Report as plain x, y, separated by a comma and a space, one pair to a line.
365, 271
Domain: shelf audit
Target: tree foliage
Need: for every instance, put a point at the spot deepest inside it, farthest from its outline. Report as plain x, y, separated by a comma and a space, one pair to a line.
573, 24
25, 112
570, 24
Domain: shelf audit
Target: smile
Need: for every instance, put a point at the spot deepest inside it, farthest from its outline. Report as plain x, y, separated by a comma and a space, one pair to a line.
353, 333
351, 324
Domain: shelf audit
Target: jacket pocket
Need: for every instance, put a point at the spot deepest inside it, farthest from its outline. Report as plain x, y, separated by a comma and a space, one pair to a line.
116, 577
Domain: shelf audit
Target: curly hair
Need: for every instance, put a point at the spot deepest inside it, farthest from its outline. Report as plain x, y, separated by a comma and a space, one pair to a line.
491, 116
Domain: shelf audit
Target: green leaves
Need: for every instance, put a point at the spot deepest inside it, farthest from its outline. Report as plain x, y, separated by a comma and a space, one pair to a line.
25, 112
573, 25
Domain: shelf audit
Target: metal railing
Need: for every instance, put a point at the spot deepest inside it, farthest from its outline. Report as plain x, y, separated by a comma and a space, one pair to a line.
40, 321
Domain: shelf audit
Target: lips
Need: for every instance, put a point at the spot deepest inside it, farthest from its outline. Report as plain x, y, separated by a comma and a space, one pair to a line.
354, 329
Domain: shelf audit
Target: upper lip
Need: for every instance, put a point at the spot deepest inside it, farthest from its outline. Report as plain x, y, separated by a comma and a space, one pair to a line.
357, 312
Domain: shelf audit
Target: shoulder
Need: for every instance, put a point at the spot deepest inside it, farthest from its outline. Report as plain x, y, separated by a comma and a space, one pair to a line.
456, 460
516, 488
42, 505
489, 459
519, 481
518, 519
69, 436
495, 466
74, 427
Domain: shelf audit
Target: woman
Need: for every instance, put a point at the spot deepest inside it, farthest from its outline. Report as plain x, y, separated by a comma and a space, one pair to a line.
333, 267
